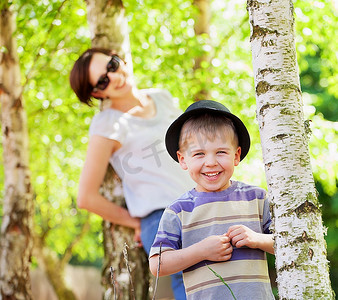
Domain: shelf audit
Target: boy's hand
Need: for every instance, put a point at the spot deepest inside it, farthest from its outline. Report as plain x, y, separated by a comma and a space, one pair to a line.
213, 248
241, 235
216, 248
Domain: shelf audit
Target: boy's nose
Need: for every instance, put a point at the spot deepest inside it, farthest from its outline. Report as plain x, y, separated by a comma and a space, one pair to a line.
210, 160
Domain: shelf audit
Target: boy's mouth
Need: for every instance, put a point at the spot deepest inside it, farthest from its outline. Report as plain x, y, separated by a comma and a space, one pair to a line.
211, 174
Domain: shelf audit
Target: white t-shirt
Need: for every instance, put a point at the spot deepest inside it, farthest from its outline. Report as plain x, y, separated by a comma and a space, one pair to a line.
151, 179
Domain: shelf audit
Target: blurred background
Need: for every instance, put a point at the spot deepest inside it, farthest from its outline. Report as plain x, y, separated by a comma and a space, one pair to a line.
51, 35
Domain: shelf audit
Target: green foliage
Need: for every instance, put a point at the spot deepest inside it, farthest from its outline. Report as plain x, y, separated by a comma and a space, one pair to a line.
316, 48
52, 34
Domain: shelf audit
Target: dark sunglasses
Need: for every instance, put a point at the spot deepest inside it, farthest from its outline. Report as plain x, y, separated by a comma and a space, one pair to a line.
112, 66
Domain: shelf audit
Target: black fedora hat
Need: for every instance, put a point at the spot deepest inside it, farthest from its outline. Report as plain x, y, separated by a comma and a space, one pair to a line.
198, 108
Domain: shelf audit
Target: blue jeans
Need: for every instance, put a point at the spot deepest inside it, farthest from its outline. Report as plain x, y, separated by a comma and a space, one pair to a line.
149, 226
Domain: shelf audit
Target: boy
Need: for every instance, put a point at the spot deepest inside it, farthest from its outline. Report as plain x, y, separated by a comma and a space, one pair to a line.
221, 224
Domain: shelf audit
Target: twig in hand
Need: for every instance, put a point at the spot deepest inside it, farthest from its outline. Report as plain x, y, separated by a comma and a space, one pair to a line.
125, 256
158, 271
113, 282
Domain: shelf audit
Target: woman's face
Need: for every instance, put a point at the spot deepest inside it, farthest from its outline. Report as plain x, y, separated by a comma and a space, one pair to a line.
120, 82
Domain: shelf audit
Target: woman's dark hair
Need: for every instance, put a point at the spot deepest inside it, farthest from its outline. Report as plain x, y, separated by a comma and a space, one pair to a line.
79, 75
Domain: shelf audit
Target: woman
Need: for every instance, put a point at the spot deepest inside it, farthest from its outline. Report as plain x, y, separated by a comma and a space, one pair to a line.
129, 135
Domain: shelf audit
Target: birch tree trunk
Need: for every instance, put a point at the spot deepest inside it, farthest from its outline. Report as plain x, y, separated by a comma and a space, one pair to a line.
16, 228
300, 248
109, 29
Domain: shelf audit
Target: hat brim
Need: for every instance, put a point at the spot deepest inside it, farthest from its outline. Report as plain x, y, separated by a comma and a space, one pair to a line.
174, 130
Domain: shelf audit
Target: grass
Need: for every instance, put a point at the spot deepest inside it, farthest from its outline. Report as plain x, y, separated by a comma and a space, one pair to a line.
220, 277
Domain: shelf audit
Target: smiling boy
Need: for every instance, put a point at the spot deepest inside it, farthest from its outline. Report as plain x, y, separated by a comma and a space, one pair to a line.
221, 223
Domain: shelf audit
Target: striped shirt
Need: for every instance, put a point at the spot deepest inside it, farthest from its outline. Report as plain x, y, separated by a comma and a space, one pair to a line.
197, 215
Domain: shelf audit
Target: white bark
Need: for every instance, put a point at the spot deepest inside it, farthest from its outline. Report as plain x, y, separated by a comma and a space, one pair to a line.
16, 242
301, 263
113, 34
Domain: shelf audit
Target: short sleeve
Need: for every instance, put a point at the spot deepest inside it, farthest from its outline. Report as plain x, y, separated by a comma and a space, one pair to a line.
169, 235
110, 125
165, 100
167, 96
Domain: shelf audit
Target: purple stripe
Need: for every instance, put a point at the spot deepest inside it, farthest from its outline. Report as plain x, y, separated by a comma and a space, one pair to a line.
166, 233
237, 254
177, 207
238, 195
166, 244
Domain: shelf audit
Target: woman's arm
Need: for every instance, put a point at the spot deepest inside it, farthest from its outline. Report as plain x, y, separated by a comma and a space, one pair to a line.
241, 235
99, 151
214, 248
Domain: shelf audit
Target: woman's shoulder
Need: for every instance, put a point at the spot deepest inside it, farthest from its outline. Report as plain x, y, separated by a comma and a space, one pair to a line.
164, 100
107, 124
157, 92
160, 95
105, 116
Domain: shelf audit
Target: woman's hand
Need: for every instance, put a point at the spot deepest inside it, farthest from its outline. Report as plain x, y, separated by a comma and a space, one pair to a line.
137, 237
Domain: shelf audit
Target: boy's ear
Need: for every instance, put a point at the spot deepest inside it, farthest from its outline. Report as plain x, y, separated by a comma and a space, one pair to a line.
238, 156
181, 160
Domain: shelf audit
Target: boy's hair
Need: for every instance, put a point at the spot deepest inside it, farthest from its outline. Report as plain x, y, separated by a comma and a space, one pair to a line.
207, 126
79, 75
212, 108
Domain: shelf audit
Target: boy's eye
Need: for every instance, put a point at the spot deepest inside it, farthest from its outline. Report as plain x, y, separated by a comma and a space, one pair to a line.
198, 154
221, 152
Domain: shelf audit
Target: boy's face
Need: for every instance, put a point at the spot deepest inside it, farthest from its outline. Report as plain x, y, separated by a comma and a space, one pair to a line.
210, 163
